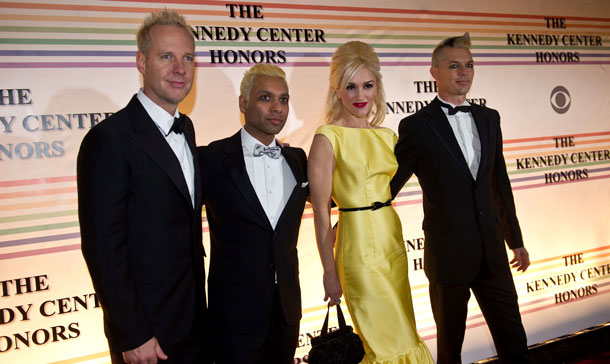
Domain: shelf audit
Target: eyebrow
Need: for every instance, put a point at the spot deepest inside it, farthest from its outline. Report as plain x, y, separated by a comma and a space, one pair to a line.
456, 61
167, 51
267, 92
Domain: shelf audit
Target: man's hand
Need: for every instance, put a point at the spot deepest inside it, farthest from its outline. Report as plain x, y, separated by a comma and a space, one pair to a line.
146, 353
282, 144
521, 260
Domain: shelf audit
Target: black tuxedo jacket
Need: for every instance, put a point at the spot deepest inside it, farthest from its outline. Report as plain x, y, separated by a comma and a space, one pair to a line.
141, 236
464, 218
245, 250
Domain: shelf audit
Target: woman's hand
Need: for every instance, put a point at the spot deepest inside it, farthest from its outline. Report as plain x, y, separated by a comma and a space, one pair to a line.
332, 288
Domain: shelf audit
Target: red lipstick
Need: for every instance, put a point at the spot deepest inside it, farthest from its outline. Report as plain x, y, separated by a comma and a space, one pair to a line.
360, 105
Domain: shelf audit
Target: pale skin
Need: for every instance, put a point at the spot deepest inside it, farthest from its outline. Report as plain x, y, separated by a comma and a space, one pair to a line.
357, 101
167, 70
454, 76
168, 67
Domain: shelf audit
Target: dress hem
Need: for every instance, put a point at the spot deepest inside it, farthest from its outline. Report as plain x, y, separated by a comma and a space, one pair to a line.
417, 355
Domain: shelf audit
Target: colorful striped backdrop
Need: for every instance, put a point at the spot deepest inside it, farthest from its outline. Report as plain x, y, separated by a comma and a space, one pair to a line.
544, 65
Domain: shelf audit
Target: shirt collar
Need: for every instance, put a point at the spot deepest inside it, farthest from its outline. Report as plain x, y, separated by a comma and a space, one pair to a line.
161, 117
466, 103
248, 141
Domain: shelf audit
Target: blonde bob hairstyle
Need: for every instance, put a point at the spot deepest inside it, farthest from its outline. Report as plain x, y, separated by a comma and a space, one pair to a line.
260, 69
163, 17
347, 60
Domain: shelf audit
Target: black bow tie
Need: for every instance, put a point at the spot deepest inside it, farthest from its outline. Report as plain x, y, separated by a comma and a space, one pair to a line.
178, 125
454, 110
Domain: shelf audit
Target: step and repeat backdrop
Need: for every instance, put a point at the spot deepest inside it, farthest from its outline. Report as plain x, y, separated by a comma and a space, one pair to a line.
544, 65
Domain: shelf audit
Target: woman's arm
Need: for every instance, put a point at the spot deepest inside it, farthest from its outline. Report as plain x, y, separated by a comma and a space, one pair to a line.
320, 169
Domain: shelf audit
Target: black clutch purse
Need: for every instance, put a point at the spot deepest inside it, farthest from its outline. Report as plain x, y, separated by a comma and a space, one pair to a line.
338, 347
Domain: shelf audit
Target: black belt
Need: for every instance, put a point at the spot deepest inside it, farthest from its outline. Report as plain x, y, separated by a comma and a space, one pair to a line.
375, 206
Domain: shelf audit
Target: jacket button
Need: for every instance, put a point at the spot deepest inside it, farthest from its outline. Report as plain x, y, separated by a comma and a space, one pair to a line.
481, 213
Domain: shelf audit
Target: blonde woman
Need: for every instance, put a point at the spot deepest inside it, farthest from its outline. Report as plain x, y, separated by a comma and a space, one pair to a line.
352, 161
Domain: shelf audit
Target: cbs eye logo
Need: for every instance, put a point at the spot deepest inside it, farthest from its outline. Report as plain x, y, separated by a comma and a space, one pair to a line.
560, 99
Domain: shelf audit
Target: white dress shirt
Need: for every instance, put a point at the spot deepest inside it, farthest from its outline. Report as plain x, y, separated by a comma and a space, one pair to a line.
271, 178
177, 142
467, 136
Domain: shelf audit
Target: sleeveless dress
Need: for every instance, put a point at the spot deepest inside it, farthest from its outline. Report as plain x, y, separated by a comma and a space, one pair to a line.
370, 254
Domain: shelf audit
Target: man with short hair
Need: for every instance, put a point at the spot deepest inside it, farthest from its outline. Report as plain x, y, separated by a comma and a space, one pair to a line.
254, 195
455, 149
139, 193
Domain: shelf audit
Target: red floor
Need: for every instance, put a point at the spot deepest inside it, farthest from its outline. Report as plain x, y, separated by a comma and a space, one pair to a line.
599, 359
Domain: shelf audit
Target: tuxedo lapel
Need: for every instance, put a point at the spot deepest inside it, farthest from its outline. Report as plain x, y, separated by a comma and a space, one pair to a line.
442, 129
237, 169
293, 162
189, 134
147, 135
480, 120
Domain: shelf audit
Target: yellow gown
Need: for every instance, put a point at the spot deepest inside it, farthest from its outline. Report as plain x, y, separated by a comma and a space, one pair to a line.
370, 254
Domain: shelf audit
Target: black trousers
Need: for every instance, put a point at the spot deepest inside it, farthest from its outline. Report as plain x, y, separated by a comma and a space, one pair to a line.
195, 349
189, 351
497, 298
276, 343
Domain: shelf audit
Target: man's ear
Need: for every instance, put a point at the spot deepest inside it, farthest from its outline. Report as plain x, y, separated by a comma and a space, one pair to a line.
141, 62
243, 104
434, 72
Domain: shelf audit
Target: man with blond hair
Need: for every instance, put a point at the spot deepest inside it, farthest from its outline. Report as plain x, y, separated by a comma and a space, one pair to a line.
139, 196
254, 195
455, 149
